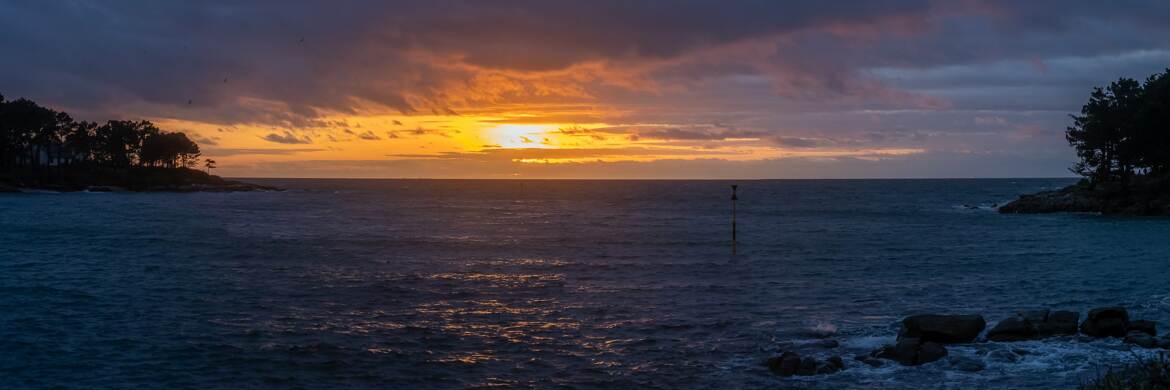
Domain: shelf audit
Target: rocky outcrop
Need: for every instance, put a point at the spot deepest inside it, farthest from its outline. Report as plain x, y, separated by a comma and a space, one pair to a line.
1143, 195
911, 351
1068, 199
1012, 329
943, 329
1106, 322
791, 363
1035, 324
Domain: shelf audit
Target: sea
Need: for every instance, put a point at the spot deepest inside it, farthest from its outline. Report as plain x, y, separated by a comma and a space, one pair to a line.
455, 284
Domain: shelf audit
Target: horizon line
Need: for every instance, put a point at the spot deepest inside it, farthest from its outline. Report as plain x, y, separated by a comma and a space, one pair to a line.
652, 179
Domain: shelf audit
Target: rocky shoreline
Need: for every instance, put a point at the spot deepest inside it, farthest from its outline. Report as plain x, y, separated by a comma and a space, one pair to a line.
924, 338
226, 186
142, 179
1142, 196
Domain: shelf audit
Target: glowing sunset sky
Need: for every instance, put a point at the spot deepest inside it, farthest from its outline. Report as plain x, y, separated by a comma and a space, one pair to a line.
591, 89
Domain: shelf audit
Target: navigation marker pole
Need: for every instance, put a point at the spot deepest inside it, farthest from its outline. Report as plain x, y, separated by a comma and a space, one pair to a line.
733, 199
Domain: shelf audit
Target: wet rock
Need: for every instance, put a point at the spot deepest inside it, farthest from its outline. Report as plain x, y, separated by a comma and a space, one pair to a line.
1034, 324
831, 365
808, 366
1106, 322
965, 363
791, 363
785, 364
1144, 326
912, 352
1057, 323
1014, 329
1141, 339
869, 360
836, 361
1003, 356
944, 329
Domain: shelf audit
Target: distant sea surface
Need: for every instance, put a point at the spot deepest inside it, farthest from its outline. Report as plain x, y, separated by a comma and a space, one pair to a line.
584, 284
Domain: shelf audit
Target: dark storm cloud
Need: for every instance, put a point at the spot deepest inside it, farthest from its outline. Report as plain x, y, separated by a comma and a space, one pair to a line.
856, 73
103, 56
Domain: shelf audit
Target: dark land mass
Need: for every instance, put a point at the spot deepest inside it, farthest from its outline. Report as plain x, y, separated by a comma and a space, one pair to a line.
45, 149
1122, 140
137, 179
1143, 195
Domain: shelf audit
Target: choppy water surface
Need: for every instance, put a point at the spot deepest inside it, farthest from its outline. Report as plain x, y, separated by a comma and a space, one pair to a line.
453, 284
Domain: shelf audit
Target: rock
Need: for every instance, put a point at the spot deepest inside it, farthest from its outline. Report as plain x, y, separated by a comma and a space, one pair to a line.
1003, 356
1141, 339
930, 352
1034, 324
831, 365
869, 360
836, 361
944, 329
791, 363
912, 352
1060, 322
8, 188
1106, 322
808, 366
1069, 199
1144, 326
785, 364
968, 364
1014, 329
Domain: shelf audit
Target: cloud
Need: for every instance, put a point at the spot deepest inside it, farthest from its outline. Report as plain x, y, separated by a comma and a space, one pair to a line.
946, 76
287, 138
256, 151
369, 136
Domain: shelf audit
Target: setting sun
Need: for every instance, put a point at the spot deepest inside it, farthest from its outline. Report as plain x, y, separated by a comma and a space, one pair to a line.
521, 136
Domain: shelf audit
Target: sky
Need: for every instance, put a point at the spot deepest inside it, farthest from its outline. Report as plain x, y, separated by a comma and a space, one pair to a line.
591, 89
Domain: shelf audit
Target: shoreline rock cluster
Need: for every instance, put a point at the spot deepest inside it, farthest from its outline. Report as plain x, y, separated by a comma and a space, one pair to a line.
924, 338
1143, 196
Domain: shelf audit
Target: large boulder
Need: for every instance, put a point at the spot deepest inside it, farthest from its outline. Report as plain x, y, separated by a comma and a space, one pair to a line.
912, 352
944, 329
785, 364
1057, 323
1034, 324
1106, 322
1012, 329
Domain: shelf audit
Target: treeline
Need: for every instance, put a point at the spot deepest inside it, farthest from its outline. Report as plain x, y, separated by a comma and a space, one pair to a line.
1124, 130
39, 139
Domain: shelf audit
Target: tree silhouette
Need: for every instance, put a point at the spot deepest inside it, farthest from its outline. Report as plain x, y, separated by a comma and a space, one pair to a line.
209, 164
41, 142
1124, 130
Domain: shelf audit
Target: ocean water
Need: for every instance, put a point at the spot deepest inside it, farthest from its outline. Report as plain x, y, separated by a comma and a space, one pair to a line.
548, 284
